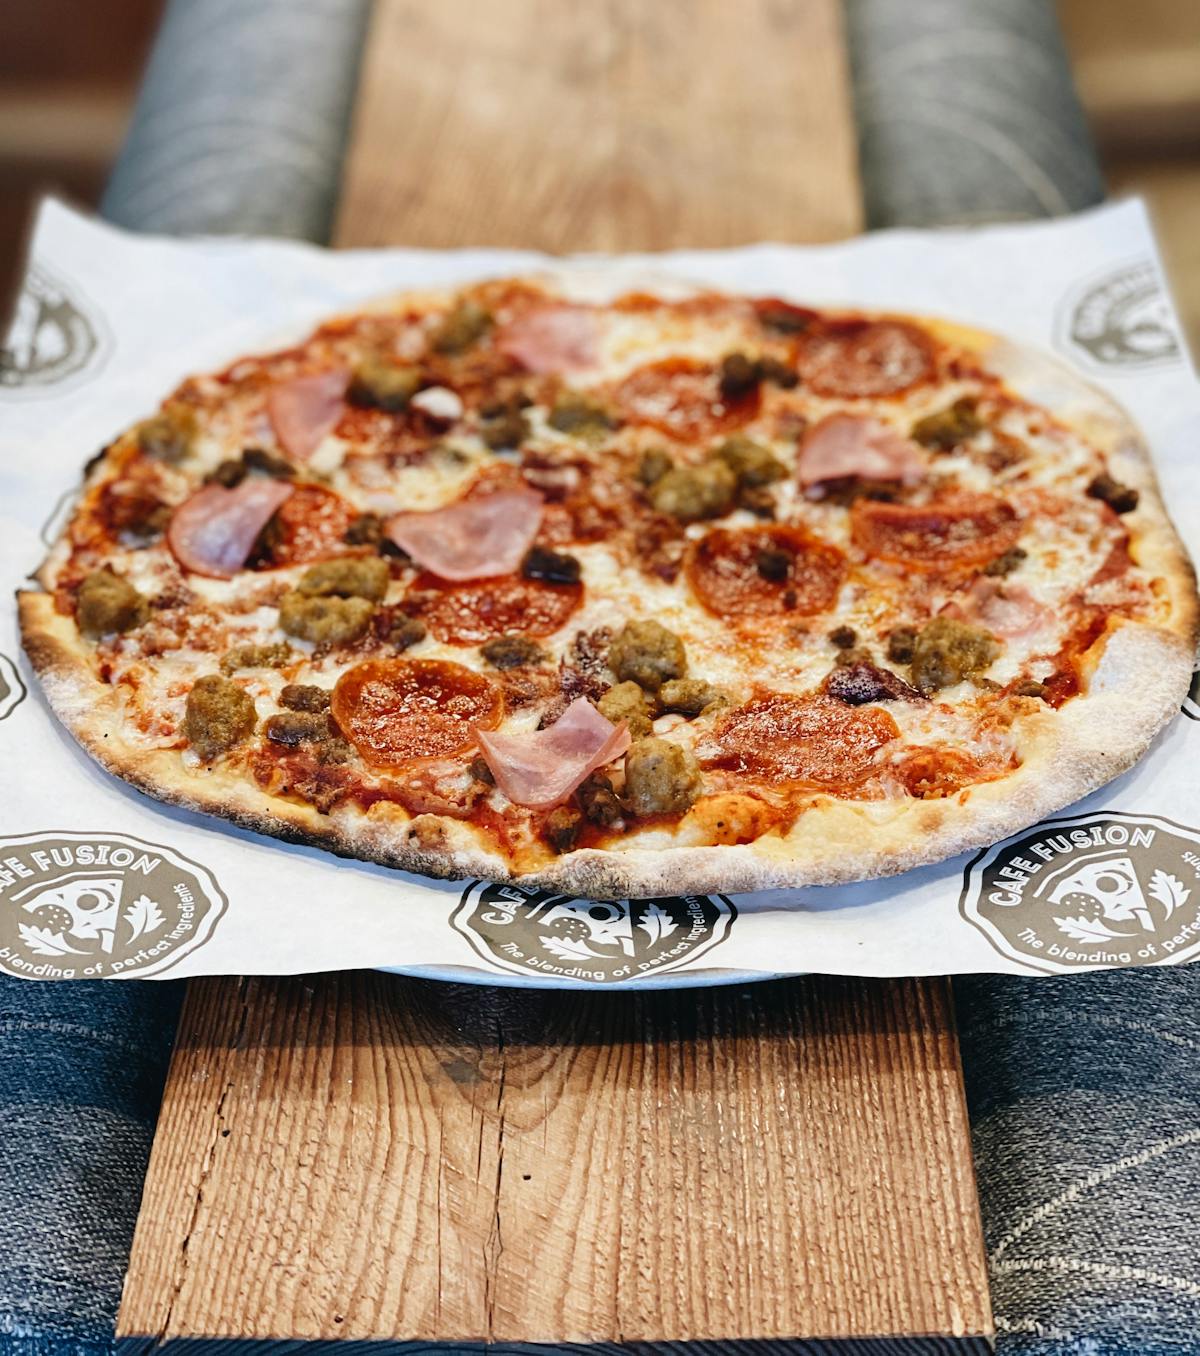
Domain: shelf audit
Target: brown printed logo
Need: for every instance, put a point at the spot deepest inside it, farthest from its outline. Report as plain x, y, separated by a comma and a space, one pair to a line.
591, 941
1121, 319
52, 338
1106, 889
1191, 703
12, 690
99, 905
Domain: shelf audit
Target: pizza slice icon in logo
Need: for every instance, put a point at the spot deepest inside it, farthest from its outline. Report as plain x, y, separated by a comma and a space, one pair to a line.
577, 928
85, 912
1104, 888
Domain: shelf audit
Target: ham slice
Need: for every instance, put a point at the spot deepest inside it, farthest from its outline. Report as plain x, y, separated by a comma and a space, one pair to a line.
541, 768
304, 411
1007, 610
557, 338
473, 539
214, 531
851, 445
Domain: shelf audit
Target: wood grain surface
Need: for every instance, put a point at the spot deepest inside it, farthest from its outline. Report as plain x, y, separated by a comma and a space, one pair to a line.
628, 124
365, 1157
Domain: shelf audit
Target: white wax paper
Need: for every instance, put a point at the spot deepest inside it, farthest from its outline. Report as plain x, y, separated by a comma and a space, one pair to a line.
98, 880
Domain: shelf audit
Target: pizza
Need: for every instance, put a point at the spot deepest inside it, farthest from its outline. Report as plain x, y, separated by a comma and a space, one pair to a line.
622, 588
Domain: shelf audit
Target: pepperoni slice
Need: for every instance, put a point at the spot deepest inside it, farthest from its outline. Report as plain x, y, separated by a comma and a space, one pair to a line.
397, 710
814, 740
964, 531
470, 612
310, 525
764, 572
865, 358
682, 398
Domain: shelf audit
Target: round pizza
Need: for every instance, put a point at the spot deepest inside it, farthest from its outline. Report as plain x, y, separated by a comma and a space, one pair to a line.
622, 589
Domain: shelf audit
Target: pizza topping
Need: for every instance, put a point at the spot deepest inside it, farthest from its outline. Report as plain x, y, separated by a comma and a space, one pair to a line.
765, 571
397, 710
541, 768
902, 644
690, 493
957, 532
398, 630
512, 652
439, 404
682, 398
504, 425
324, 620
472, 611
298, 727
273, 656
253, 461
783, 317
346, 577
539, 563
170, 435
1006, 562
753, 464
653, 464
109, 603
555, 338
739, 376
646, 653
465, 325
690, 697
473, 539
842, 446
579, 416
1007, 610
1030, 687
661, 778
849, 358
310, 525
1120, 498
562, 827
946, 651
934, 774
944, 430
861, 681
214, 531
377, 383
304, 697
598, 800
304, 411
627, 702
814, 740
218, 717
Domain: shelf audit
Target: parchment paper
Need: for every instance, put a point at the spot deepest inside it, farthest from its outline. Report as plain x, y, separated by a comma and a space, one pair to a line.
97, 880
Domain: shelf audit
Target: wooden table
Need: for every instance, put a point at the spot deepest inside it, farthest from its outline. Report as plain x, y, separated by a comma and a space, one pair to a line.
360, 1156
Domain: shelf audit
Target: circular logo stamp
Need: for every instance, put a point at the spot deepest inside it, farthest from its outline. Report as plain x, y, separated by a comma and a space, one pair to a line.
52, 337
99, 905
533, 932
1191, 703
12, 689
1122, 319
1107, 889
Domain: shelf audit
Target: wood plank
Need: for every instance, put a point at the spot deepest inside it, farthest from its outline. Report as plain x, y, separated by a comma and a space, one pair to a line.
365, 1157
360, 1156
625, 125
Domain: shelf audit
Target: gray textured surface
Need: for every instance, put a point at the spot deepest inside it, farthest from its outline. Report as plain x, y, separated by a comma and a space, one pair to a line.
966, 112
241, 119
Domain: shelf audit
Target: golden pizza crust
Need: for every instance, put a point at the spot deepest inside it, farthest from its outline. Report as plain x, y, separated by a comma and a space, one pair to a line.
1139, 675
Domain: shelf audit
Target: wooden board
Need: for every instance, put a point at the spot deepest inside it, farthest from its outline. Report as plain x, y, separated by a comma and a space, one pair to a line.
373, 1158
360, 1156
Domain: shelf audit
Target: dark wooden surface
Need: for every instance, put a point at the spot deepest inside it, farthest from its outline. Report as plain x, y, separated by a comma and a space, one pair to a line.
365, 1157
